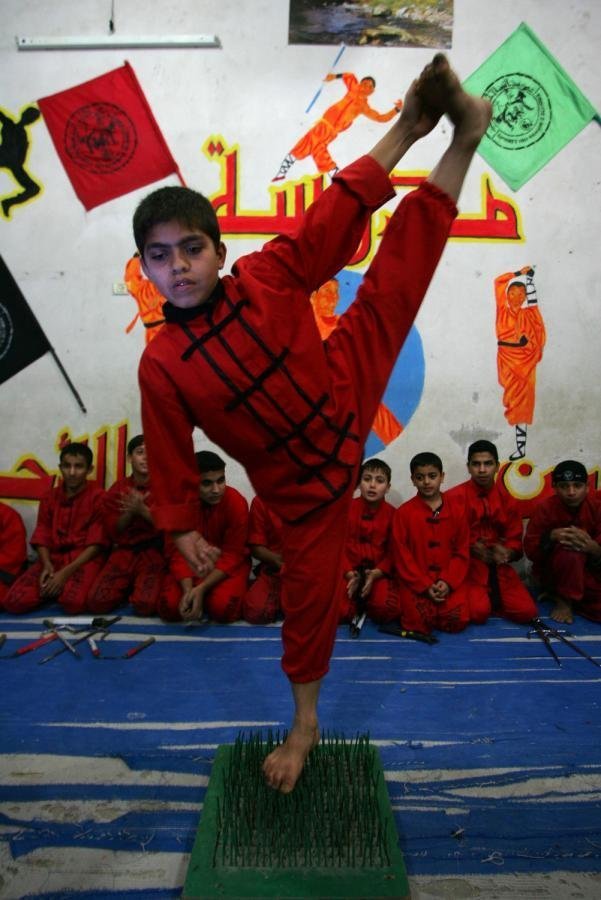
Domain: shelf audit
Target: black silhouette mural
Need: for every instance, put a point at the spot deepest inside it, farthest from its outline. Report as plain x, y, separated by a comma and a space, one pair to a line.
14, 149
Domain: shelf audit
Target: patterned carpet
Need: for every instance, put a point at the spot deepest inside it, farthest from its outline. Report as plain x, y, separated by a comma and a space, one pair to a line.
492, 752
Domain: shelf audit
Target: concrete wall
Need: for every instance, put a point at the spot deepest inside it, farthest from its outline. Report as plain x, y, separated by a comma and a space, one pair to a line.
253, 94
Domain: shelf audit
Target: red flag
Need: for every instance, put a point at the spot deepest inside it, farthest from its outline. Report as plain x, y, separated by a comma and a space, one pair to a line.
107, 137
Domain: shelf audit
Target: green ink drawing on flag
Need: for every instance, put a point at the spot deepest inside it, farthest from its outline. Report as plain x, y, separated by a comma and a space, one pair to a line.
537, 108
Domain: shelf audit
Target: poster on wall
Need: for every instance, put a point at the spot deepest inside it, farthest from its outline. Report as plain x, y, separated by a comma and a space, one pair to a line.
394, 23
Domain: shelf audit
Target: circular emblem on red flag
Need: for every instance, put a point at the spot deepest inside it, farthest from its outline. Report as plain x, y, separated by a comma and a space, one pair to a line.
100, 138
6, 331
521, 111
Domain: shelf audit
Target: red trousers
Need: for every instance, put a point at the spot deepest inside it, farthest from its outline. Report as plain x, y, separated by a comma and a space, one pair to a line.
222, 603
129, 575
420, 613
362, 351
262, 602
515, 601
24, 594
568, 575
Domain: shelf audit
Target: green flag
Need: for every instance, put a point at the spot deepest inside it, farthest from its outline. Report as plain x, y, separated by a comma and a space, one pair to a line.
537, 108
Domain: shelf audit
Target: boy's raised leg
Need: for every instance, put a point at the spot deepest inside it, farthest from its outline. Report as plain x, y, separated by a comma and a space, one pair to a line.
436, 92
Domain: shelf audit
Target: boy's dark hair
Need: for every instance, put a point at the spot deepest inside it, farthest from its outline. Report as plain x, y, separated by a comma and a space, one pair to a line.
175, 204
426, 458
369, 78
207, 461
134, 443
482, 446
77, 449
376, 465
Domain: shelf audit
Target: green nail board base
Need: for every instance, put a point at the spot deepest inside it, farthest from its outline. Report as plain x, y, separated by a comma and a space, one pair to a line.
333, 836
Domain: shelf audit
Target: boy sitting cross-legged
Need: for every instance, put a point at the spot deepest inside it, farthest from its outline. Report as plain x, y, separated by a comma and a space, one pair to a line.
563, 540
69, 538
367, 562
223, 520
430, 545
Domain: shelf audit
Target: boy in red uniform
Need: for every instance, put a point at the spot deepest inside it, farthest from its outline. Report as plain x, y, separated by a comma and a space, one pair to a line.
563, 540
262, 602
241, 357
13, 548
367, 562
495, 541
223, 520
430, 546
135, 567
69, 539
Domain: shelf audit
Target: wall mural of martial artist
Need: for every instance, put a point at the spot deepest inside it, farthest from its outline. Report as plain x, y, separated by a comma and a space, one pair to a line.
521, 339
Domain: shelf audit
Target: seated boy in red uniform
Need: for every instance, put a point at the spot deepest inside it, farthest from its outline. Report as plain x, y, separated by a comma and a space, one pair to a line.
262, 602
430, 546
495, 541
241, 358
13, 548
223, 520
367, 562
69, 539
563, 540
135, 567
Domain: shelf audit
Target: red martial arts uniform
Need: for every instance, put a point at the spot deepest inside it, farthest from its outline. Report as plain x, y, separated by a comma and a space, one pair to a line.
559, 569
262, 602
429, 546
223, 525
135, 568
249, 368
494, 519
368, 544
13, 548
65, 526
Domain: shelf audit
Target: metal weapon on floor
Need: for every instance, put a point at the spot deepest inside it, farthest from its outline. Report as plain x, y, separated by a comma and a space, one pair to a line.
358, 620
546, 632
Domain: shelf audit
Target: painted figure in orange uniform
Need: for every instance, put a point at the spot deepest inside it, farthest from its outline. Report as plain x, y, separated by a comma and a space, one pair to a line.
13, 547
335, 119
149, 300
324, 302
520, 342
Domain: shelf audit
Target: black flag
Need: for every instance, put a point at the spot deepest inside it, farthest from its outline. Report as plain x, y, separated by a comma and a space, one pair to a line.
22, 341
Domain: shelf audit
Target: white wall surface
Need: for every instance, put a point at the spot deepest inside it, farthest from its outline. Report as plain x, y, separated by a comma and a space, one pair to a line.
254, 92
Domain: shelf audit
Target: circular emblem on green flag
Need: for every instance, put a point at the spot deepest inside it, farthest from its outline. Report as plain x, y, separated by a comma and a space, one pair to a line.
521, 111
6, 331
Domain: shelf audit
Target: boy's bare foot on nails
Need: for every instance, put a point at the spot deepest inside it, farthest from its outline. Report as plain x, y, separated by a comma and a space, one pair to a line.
283, 767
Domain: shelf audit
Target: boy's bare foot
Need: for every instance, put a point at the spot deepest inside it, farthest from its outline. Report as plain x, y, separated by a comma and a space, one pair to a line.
283, 767
562, 611
441, 92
